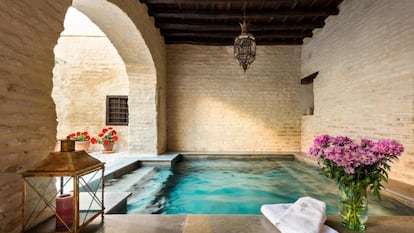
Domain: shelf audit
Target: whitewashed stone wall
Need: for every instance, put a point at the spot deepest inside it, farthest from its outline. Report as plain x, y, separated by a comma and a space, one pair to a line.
148, 72
29, 31
213, 106
88, 68
365, 86
28, 34
141, 47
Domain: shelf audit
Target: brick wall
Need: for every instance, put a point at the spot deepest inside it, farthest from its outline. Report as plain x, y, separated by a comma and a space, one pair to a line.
213, 106
148, 73
365, 86
142, 49
88, 68
28, 33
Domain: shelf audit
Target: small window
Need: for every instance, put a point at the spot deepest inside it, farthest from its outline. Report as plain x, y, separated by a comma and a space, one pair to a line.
307, 100
117, 110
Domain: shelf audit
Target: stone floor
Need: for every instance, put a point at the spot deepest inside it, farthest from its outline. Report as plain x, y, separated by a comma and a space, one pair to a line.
228, 224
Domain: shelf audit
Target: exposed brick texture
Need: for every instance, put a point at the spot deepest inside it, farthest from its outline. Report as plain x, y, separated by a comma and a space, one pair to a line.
142, 49
365, 86
148, 132
87, 70
28, 33
213, 106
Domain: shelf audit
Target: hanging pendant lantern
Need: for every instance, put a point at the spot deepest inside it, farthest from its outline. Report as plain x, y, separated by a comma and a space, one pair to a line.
244, 47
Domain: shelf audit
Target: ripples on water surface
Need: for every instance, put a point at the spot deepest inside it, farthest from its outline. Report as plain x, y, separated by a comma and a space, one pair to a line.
241, 186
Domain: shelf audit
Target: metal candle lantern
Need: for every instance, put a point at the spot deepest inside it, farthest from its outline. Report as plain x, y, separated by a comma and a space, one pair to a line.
71, 205
244, 48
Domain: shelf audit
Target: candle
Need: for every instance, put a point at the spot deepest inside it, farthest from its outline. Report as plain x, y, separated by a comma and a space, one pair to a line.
64, 209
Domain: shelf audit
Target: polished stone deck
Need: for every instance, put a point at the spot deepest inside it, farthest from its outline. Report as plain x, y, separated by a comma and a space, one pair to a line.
228, 224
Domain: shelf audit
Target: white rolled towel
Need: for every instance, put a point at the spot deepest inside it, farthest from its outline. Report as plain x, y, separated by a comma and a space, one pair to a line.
306, 215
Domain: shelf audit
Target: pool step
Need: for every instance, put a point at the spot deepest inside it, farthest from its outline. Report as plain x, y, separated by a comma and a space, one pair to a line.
125, 182
147, 174
146, 192
114, 202
144, 183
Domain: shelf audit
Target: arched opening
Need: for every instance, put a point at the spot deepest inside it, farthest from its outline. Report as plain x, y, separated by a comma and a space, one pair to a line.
87, 70
145, 93
28, 110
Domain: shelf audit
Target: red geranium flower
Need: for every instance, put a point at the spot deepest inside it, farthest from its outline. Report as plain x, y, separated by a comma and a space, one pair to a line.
78, 136
93, 140
107, 136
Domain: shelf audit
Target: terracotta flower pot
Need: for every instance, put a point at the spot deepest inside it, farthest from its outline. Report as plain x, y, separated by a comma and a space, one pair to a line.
82, 145
108, 148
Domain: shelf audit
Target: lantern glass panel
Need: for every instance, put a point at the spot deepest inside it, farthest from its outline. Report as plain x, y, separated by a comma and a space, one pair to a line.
63, 203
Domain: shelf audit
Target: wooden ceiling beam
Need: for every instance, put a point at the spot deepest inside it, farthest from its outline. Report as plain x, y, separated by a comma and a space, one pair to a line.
221, 42
204, 27
225, 15
230, 35
174, 2
216, 22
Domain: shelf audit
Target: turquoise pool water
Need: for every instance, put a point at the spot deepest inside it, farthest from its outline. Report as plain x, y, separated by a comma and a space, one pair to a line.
239, 186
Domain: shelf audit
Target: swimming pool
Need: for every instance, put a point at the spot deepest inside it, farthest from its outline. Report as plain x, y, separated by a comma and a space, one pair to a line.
237, 186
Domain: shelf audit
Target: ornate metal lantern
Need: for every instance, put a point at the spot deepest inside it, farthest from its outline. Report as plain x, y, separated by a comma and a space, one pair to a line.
244, 47
64, 192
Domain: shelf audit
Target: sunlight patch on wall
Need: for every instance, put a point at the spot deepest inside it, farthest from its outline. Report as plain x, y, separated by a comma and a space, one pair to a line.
213, 125
76, 23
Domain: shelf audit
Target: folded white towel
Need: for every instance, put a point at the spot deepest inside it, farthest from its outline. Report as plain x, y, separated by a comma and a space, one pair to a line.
306, 215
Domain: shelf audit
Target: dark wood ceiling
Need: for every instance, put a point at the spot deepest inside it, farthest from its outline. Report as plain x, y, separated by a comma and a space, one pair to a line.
216, 22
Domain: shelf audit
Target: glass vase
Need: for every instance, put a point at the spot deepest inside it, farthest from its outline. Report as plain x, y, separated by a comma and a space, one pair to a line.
353, 206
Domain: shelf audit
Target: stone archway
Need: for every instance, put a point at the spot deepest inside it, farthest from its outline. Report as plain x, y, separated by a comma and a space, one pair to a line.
87, 69
141, 47
29, 31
